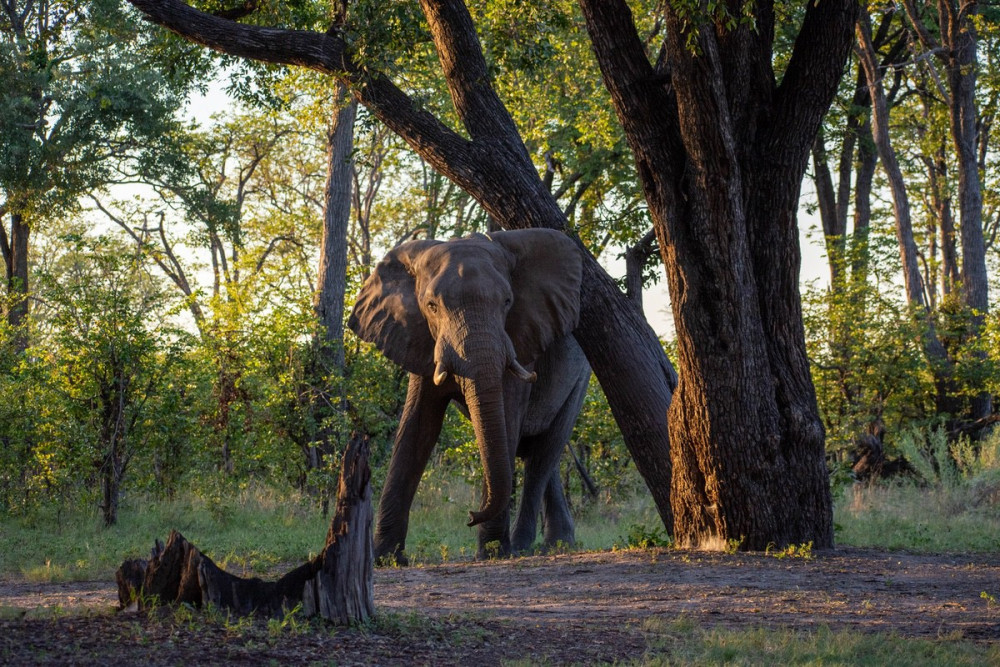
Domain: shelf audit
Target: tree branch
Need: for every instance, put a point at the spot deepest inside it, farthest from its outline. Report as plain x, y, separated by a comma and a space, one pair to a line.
324, 52
644, 102
923, 34
176, 273
460, 160
270, 248
464, 67
813, 73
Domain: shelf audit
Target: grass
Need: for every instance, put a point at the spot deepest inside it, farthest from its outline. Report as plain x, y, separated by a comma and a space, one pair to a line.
682, 641
951, 504
959, 516
74, 546
437, 531
905, 516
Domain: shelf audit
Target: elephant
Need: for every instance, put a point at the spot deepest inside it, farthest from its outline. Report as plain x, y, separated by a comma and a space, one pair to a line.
485, 321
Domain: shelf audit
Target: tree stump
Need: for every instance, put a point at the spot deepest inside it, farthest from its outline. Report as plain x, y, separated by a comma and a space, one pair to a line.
869, 458
336, 585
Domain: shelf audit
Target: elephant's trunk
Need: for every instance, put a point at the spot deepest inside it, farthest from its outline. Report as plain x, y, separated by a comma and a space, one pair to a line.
486, 410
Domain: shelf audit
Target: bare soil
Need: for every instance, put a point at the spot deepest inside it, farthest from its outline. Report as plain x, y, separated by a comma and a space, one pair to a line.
577, 608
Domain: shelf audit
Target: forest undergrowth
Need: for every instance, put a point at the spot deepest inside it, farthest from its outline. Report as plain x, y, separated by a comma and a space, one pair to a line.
262, 531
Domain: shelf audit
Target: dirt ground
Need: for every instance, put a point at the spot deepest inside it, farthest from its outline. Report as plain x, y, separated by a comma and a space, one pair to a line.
578, 608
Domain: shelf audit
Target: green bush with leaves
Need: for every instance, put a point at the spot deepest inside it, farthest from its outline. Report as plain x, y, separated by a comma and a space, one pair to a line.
108, 359
866, 361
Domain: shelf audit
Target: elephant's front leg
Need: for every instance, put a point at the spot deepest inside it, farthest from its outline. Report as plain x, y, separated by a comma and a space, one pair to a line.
419, 428
493, 539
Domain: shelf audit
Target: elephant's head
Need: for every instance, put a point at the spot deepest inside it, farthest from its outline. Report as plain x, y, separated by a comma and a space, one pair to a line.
474, 309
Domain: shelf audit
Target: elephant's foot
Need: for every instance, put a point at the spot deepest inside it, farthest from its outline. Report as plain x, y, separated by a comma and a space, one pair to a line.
493, 549
523, 540
556, 537
386, 556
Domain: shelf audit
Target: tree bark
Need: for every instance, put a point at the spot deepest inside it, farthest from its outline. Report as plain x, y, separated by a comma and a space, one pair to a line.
17, 280
867, 162
332, 281
336, 585
494, 167
834, 225
331, 288
636, 257
963, 68
722, 188
912, 282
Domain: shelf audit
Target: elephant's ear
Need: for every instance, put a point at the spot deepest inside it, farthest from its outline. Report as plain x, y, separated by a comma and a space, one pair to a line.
546, 283
386, 312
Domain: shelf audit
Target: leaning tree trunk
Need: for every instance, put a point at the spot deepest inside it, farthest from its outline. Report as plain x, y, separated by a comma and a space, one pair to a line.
336, 585
913, 283
493, 166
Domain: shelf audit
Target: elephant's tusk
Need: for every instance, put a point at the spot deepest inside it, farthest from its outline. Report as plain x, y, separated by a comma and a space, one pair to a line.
440, 374
519, 370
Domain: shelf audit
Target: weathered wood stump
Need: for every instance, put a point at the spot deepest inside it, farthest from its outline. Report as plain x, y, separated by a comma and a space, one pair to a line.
336, 585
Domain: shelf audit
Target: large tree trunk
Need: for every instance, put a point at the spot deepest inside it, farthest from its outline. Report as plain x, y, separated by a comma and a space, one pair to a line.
721, 152
336, 585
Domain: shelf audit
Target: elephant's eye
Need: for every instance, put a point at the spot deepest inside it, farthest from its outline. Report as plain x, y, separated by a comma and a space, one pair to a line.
432, 306
507, 302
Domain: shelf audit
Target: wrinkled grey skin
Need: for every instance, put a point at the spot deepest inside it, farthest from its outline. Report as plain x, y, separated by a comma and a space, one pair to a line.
483, 321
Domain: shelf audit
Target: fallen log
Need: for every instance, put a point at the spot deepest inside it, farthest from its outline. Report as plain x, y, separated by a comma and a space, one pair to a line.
336, 584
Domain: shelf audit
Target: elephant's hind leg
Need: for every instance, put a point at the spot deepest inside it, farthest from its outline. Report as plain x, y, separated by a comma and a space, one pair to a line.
557, 522
541, 466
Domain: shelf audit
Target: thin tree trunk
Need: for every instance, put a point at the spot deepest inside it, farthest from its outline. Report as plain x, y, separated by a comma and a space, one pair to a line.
332, 280
912, 281
834, 225
950, 276
963, 68
17, 283
867, 162
636, 257
956, 20
943, 233
328, 348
